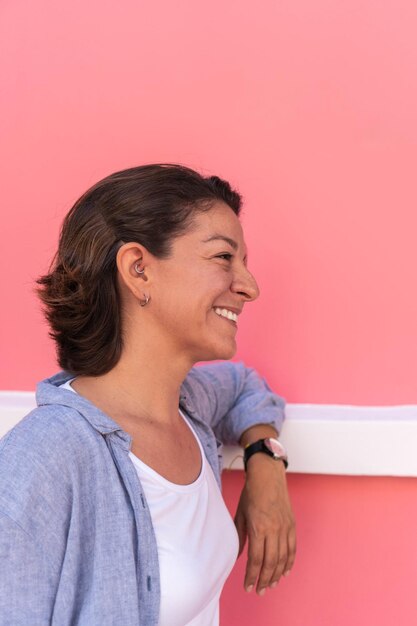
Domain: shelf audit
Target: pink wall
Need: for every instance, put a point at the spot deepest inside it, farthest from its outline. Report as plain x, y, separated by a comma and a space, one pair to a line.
309, 108
356, 562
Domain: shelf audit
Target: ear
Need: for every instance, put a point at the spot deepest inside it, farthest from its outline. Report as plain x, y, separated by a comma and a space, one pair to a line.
127, 256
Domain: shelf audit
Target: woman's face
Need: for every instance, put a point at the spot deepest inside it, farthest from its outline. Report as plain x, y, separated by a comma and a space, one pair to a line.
204, 272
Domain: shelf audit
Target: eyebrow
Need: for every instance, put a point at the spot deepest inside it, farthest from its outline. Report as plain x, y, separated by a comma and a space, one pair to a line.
231, 242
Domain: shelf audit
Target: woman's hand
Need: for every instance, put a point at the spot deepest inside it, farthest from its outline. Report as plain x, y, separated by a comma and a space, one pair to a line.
265, 517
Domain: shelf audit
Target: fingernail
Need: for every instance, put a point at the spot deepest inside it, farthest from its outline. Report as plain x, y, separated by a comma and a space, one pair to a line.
261, 592
287, 573
274, 584
249, 589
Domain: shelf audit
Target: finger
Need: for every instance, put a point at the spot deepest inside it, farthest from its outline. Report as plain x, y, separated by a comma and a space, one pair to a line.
286, 558
241, 532
280, 563
269, 564
292, 548
255, 559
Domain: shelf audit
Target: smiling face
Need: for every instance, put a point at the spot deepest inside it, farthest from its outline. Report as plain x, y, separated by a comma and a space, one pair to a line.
204, 272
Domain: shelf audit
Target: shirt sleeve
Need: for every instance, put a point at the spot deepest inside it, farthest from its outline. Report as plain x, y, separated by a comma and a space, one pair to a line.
232, 397
26, 590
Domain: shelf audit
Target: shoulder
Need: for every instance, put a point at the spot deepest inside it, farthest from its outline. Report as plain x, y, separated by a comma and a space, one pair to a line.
210, 389
50, 429
42, 453
215, 377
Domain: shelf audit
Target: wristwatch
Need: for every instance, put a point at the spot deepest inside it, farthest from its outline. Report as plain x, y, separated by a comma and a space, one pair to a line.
270, 446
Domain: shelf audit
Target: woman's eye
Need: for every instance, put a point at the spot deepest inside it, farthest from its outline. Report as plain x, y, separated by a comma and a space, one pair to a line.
226, 254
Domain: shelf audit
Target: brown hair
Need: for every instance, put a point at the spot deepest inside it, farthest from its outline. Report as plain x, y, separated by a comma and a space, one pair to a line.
150, 204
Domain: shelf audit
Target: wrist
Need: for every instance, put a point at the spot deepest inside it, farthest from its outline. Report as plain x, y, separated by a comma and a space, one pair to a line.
259, 462
266, 446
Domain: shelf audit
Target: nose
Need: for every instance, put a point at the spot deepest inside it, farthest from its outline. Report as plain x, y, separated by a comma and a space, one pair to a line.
245, 284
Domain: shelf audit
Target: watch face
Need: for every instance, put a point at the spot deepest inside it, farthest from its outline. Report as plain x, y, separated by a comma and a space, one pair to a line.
275, 446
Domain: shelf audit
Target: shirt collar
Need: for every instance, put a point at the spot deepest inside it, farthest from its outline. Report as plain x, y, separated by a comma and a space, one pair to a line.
49, 392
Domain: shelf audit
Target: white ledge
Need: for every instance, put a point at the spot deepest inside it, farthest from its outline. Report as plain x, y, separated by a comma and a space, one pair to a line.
320, 438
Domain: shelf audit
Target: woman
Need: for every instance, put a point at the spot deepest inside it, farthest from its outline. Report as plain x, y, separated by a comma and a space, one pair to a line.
110, 503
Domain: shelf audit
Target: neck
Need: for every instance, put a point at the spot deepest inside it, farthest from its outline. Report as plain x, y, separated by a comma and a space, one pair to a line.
143, 386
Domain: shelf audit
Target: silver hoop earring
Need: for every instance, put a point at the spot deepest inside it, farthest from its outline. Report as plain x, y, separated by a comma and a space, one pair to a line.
138, 270
146, 301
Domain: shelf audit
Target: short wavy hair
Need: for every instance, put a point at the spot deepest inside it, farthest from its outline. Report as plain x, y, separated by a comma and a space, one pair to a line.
149, 204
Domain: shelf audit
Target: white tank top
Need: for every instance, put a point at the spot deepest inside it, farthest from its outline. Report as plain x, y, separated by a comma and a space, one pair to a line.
196, 538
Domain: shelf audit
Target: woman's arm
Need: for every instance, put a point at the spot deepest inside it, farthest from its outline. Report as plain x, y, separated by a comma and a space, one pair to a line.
264, 516
241, 408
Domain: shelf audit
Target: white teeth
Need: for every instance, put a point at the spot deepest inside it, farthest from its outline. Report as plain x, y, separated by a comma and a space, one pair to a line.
225, 313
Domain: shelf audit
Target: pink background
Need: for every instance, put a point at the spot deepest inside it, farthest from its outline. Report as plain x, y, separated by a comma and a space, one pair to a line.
309, 108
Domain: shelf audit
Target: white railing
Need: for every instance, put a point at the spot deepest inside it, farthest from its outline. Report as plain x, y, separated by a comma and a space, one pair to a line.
320, 439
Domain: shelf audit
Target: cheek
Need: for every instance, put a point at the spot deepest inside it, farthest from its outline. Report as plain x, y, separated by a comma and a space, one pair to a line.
195, 289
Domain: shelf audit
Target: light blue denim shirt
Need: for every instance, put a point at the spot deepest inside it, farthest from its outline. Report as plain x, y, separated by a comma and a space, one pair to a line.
77, 546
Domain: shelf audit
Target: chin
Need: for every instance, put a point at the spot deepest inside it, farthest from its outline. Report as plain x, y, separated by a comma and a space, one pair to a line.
214, 353
225, 352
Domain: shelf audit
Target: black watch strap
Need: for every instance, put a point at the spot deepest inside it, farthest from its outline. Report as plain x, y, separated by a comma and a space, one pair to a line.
259, 446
